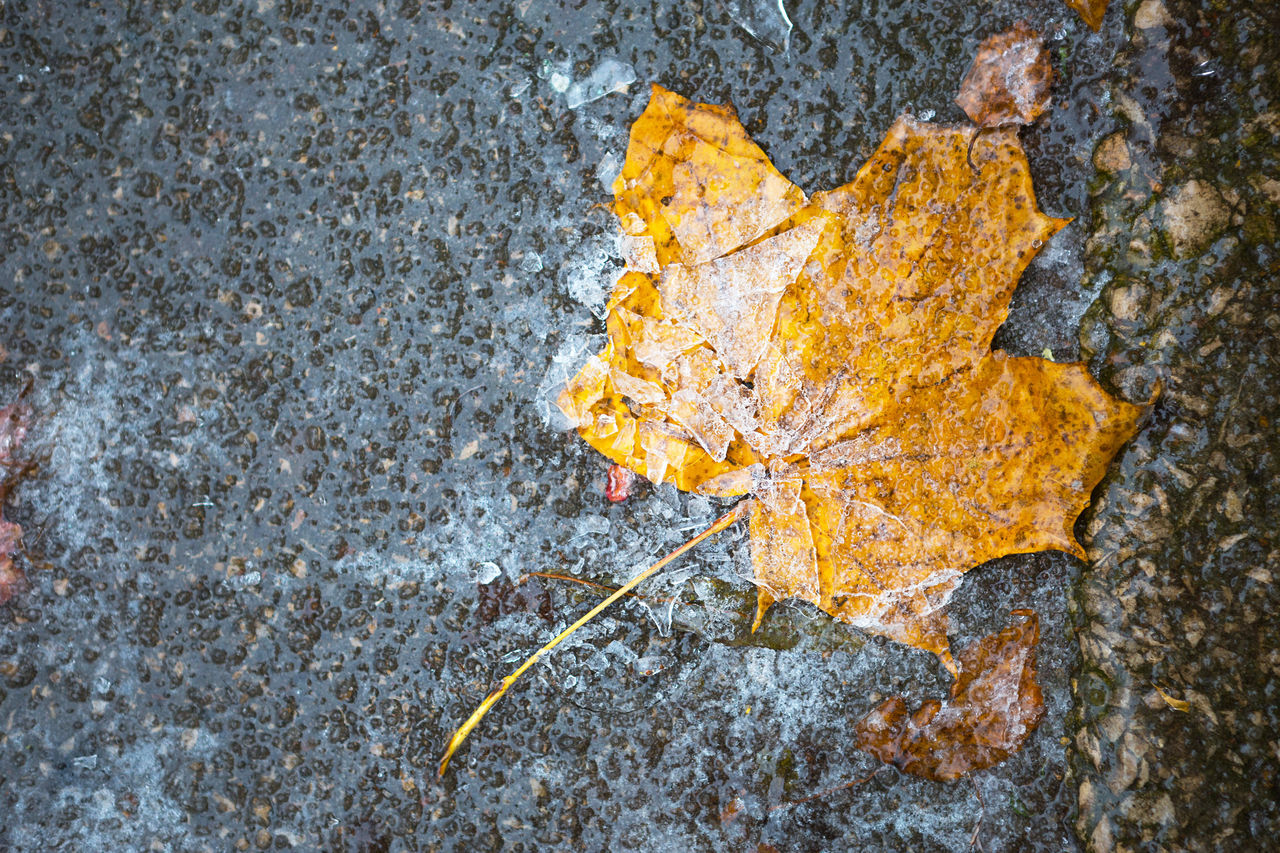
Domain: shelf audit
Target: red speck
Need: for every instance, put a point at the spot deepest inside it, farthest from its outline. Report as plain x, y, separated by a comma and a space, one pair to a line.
621, 481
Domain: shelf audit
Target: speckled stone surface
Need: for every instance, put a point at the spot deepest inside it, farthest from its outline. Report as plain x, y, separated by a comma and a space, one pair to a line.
1177, 702
291, 282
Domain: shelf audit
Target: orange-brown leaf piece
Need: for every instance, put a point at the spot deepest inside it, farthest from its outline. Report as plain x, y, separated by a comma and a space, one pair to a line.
14, 421
994, 706
1092, 11
1009, 80
832, 357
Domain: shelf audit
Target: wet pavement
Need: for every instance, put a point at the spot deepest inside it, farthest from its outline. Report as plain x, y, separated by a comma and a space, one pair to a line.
292, 285
1176, 704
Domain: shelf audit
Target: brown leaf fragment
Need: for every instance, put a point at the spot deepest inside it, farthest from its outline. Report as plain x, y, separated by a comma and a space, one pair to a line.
12, 581
994, 706
14, 422
1092, 11
1009, 80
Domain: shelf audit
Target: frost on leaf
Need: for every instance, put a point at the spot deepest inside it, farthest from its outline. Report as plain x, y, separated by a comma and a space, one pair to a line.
994, 706
832, 357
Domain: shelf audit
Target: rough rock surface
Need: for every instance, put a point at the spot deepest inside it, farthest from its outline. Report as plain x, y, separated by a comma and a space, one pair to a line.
1176, 711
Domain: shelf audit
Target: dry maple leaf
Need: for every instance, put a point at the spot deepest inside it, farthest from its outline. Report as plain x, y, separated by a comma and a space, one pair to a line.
832, 357
994, 706
1009, 80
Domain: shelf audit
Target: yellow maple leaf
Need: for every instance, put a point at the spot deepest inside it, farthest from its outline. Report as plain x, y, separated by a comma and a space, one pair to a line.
831, 356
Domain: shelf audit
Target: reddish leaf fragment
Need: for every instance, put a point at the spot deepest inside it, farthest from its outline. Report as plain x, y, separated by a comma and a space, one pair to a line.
14, 421
994, 706
1009, 80
621, 482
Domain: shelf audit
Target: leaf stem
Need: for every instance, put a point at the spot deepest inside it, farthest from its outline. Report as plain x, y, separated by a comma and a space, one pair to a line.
478, 714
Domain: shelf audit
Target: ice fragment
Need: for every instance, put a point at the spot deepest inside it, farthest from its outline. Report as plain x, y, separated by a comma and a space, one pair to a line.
589, 271
531, 262
608, 170
487, 572
764, 20
609, 76
592, 525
